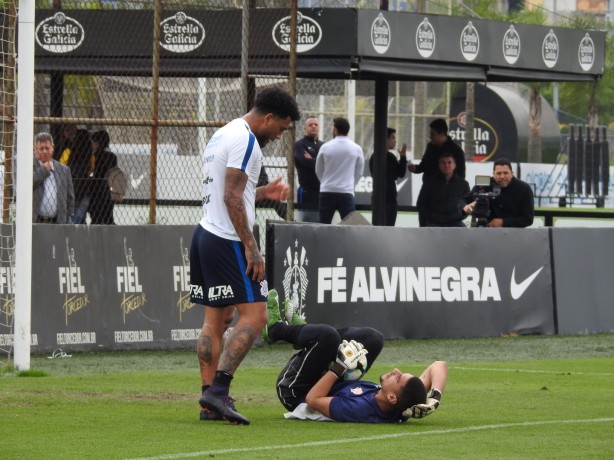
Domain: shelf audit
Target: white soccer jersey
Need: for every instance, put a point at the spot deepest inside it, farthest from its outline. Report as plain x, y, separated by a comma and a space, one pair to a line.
233, 146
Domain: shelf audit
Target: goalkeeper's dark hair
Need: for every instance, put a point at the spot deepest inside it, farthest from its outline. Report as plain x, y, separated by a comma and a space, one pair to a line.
413, 393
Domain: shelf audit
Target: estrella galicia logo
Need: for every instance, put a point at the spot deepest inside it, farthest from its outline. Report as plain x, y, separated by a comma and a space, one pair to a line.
470, 42
59, 34
181, 33
295, 277
425, 39
511, 45
550, 49
586, 53
380, 34
484, 135
309, 33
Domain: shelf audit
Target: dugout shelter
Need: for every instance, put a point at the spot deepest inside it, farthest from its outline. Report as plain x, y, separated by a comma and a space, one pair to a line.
331, 43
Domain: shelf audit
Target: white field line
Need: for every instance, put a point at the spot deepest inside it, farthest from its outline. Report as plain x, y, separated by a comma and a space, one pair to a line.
531, 371
207, 453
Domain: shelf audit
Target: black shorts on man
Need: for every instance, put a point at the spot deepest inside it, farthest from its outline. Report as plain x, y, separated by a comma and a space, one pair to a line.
217, 272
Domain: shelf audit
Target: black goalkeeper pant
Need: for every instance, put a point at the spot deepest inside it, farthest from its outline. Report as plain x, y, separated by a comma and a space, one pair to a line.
318, 345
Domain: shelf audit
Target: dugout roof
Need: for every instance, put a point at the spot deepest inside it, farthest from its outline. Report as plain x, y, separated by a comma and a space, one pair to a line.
332, 43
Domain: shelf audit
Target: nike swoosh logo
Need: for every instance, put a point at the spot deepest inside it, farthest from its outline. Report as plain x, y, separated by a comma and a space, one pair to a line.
517, 289
401, 184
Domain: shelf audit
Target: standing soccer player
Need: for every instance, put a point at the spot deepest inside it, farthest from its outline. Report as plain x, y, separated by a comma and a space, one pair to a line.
226, 268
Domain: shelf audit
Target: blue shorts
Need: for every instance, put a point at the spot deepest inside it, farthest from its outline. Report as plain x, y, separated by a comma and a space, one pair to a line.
217, 272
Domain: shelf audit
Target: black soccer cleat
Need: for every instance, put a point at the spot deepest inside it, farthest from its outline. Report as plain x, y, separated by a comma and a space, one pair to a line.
206, 414
224, 406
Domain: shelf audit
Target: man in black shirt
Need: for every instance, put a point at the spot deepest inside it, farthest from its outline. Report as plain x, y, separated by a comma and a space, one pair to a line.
394, 169
305, 153
440, 143
441, 198
513, 206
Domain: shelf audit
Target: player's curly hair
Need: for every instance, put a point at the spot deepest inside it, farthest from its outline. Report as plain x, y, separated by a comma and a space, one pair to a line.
413, 393
276, 100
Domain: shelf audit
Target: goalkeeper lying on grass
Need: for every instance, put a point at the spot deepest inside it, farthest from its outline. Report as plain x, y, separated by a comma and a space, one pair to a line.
325, 373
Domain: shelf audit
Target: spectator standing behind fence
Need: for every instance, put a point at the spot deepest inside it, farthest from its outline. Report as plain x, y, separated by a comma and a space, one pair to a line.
103, 159
339, 167
53, 194
394, 169
513, 206
305, 153
439, 143
441, 198
64, 145
77, 156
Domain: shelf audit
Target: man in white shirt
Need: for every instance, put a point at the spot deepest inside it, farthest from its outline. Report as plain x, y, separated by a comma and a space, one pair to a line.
226, 268
339, 166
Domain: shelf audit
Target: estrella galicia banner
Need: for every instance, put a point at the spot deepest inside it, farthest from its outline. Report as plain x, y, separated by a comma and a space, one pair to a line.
347, 41
416, 283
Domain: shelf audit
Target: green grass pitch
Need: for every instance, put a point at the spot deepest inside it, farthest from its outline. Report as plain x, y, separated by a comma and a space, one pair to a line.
507, 398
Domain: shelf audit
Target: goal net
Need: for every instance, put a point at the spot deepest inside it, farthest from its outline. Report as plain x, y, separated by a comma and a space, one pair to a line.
7, 152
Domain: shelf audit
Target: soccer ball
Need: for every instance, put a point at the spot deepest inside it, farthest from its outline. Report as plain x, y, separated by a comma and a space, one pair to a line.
355, 374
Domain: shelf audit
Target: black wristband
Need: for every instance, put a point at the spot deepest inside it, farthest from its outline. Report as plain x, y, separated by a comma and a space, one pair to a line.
337, 369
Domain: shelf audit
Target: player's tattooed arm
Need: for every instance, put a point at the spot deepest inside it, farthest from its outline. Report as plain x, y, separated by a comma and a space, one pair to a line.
234, 188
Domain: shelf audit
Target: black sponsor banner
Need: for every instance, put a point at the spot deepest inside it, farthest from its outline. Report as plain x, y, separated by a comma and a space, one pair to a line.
330, 32
475, 41
417, 283
116, 287
203, 35
112, 287
7, 294
583, 279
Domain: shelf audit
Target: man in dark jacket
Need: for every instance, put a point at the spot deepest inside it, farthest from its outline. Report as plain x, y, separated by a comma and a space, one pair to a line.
305, 153
394, 169
440, 143
101, 204
441, 197
513, 205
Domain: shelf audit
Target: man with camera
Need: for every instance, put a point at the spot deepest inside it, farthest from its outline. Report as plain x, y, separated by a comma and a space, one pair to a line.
507, 202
